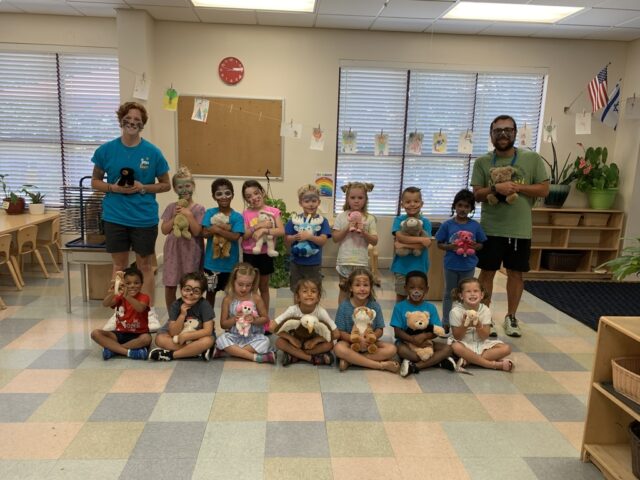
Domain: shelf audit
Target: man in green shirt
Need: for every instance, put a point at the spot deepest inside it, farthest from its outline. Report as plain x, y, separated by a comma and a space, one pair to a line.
508, 226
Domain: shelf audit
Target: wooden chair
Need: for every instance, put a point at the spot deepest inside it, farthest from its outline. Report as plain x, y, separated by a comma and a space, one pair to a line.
373, 265
52, 240
10, 260
27, 242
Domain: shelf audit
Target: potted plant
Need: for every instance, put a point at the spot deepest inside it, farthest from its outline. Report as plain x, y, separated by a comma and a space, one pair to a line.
280, 277
36, 206
560, 179
626, 264
597, 178
12, 203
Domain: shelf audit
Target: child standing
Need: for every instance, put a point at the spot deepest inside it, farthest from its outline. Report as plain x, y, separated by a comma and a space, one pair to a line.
411, 201
306, 233
217, 266
257, 230
315, 350
458, 266
417, 287
354, 229
189, 331
131, 336
255, 346
360, 286
181, 255
472, 344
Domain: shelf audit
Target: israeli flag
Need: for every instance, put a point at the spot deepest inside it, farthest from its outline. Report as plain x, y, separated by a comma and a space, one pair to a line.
610, 112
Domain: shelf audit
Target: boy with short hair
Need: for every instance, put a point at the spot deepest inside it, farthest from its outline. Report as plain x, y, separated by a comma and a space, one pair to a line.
130, 337
306, 233
411, 201
217, 270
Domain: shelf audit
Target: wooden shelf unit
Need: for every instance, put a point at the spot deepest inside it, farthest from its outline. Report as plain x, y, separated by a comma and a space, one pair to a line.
606, 441
598, 244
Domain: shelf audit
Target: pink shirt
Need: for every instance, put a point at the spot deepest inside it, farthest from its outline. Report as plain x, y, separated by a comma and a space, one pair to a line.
250, 221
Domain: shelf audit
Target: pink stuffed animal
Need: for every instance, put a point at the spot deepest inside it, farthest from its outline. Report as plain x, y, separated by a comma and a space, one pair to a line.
464, 243
244, 311
355, 222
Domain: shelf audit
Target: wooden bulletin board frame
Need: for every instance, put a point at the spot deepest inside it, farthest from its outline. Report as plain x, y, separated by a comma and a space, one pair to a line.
241, 137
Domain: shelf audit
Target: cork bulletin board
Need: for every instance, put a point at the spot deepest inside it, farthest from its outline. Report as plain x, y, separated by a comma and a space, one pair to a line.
241, 137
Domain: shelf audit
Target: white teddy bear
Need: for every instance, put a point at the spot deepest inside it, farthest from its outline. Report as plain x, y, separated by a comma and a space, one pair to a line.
190, 325
271, 245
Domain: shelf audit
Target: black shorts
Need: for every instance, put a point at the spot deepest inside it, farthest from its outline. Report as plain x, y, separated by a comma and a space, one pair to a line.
216, 281
262, 261
513, 253
124, 337
120, 238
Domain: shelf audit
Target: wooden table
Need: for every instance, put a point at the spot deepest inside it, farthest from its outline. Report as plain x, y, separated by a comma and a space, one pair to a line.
12, 223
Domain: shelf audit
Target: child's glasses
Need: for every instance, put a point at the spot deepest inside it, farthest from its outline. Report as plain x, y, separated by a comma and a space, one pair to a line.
223, 194
195, 291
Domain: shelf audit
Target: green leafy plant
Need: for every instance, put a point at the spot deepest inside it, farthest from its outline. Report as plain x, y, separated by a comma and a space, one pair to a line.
12, 196
593, 172
280, 277
557, 175
626, 264
35, 196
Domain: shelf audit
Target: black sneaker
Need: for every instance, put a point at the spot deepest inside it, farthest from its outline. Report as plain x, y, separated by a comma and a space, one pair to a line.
161, 354
493, 333
448, 364
207, 354
407, 367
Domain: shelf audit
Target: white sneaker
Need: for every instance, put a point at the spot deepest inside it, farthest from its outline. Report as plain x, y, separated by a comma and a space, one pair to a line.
154, 321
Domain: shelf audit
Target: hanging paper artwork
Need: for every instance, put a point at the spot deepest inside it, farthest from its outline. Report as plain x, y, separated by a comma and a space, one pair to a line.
382, 145
632, 108
349, 141
414, 146
524, 136
583, 123
550, 132
465, 142
324, 182
200, 110
170, 100
141, 88
317, 139
439, 143
291, 130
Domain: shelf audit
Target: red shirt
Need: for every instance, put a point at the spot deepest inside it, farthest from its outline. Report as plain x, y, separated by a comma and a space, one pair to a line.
127, 319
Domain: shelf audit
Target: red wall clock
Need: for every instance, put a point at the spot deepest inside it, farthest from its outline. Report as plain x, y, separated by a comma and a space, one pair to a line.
231, 70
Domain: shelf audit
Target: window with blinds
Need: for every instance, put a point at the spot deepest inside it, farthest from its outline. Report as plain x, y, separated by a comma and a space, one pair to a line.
399, 102
55, 110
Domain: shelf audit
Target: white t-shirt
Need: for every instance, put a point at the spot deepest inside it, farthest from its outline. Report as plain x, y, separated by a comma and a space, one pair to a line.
456, 320
353, 248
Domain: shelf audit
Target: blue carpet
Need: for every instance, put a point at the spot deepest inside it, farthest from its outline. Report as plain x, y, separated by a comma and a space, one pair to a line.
588, 301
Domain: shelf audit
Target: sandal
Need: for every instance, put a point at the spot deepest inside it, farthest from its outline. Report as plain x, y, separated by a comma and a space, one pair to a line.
390, 366
508, 365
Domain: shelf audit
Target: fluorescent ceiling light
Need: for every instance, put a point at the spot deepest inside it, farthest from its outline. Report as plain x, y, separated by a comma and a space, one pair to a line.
508, 12
275, 5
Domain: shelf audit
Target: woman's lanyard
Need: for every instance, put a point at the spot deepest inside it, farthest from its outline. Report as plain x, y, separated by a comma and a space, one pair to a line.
513, 162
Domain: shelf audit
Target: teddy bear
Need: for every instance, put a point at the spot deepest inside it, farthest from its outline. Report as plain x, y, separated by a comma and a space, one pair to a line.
180, 222
245, 309
418, 322
305, 224
464, 243
412, 227
362, 329
118, 281
126, 177
190, 325
355, 221
471, 318
271, 245
499, 175
221, 245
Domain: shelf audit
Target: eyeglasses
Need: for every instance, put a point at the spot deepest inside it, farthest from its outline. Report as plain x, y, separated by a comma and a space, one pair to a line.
195, 291
223, 194
507, 131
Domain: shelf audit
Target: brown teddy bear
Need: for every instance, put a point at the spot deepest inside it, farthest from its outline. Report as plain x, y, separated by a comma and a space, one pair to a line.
418, 322
413, 227
180, 222
362, 329
499, 175
471, 318
221, 245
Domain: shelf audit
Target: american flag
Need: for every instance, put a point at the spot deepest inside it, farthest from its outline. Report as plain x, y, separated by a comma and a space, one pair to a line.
597, 89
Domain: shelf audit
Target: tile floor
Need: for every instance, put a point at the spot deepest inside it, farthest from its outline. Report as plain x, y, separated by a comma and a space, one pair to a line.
66, 413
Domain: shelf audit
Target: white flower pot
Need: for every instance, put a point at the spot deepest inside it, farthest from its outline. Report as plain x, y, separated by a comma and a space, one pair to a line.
36, 208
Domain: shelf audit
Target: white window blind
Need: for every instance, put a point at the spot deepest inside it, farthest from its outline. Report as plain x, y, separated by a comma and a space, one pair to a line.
447, 102
55, 110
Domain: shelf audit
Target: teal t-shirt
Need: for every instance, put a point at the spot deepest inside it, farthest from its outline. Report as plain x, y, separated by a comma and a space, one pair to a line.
504, 220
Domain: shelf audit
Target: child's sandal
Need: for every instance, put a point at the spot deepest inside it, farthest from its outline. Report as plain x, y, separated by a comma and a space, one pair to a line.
506, 365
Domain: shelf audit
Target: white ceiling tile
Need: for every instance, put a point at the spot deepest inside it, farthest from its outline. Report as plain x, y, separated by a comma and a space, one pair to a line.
620, 34
283, 19
46, 7
516, 29
602, 17
120, 3
178, 14
223, 15
634, 23
344, 21
98, 9
465, 27
160, 3
566, 31
566, 3
416, 9
6, 7
624, 4
350, 7
401, 24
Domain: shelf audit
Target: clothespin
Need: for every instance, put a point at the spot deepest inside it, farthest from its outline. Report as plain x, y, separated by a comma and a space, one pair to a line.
633, 102
291, 123
230, 108
440, 132
260, 116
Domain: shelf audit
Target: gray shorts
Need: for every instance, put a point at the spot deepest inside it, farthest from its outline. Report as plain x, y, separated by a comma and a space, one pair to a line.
120, 238
299, 272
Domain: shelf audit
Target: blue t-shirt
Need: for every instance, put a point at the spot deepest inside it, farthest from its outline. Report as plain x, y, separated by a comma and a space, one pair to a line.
148, 163
448, 233
305, 256
399, 319
223, 264
404, 265
344, 315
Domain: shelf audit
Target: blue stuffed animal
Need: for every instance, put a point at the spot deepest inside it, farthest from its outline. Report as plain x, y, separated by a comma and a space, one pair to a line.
306, 224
